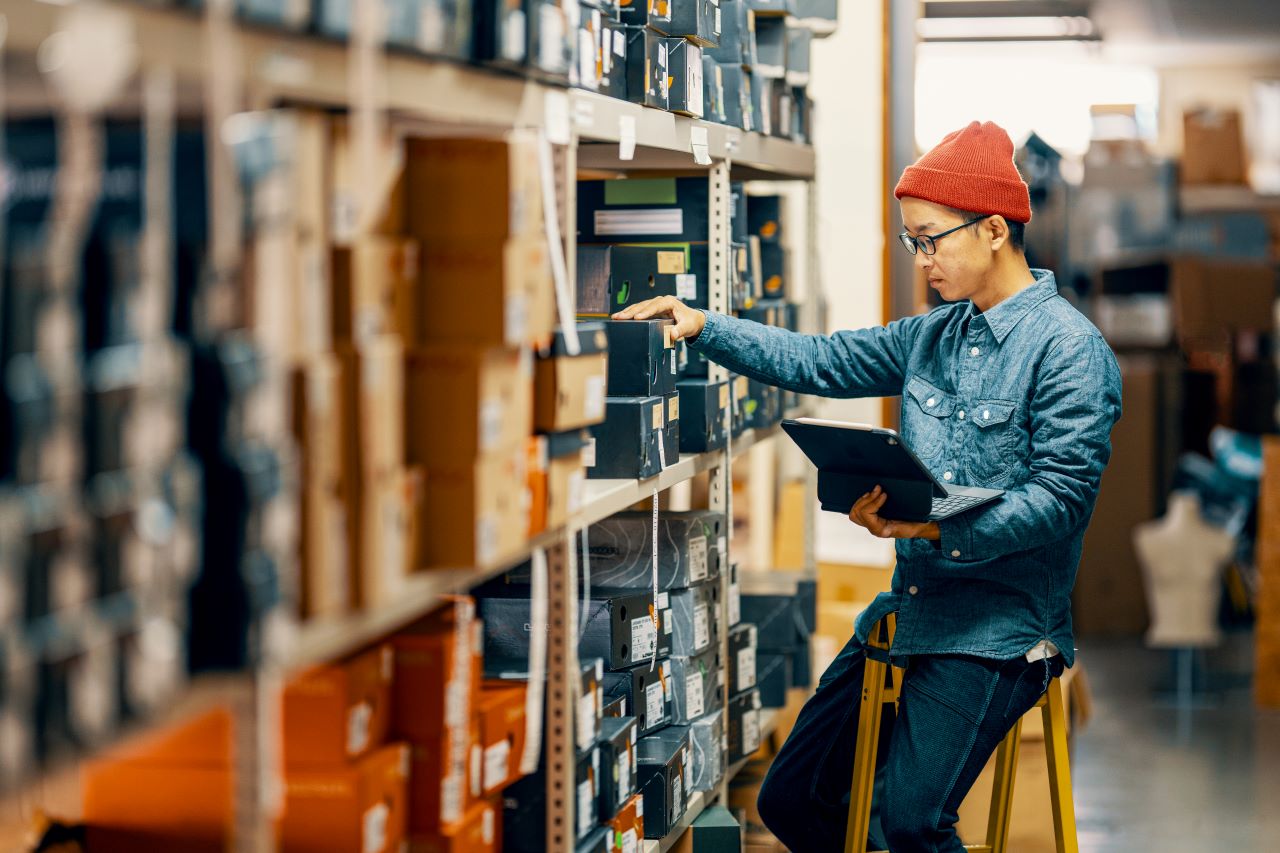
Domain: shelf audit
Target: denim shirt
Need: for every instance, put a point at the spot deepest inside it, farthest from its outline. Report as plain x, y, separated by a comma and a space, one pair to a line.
1021, 397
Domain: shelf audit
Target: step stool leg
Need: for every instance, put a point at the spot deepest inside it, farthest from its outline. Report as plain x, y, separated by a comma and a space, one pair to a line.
1055, 745
1002, 789
864, 757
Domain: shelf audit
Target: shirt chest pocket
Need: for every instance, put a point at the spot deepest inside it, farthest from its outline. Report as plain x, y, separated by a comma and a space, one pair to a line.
925, 412
993, 445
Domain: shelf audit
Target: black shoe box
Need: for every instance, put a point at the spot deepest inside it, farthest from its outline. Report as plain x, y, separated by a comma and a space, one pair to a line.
642, 359
703, 406
774, 679
647, 691
744, 724
671, 432
664, 774
699, 21
646, 67
524, 821
773, 266
742, 657
620, 549
626, 442
684, 76
618, 737
697, 685
611, 278
695, 627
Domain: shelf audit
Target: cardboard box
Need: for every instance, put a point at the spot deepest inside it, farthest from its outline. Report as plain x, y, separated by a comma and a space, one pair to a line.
324, 571
337, 713
464, 402
502, 733
385, 536
464, 189
642, 358
613, 59
699, 21
684, 73
486, 292
479, 832
569, 391
471, 515
375, 289
627, 826
697, 686
566, 476
1212, 297
663, 773
737, 43
618, 736
373, 401
712, 90
625, 444
368, 198
360, 807
744, 724
436, 684
1213, 147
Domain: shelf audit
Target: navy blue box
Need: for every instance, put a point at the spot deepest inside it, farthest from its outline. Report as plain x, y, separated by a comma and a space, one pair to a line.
647, 693
626, 442
644, 210
646, 67
642, 358
703, 404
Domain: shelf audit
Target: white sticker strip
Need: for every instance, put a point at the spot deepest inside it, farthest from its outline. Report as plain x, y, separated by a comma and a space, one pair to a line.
586, 584
700, 146
626, 137
559, 272
537, 665
653, 660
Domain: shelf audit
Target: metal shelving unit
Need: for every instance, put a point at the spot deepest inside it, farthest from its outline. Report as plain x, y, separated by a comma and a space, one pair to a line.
265, 68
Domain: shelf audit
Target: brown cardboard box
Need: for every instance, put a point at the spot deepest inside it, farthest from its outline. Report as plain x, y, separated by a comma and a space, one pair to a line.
628, 824
388, 506
317, 420
501, 714
487, 292
463, 402
1109, 599
466, 188
373, 407
1211, 297
839, 582
324, 571
337, 713
381, 181
475, 513
1267, 628
566, 486
479, 832
1212, 147
570, 390
836, 618
375, 289
311, 164
359, 807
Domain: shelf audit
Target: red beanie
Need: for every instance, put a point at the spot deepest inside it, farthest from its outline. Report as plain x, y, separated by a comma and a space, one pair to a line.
970, 169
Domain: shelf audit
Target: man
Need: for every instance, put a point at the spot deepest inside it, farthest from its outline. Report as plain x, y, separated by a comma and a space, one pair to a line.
1006, 386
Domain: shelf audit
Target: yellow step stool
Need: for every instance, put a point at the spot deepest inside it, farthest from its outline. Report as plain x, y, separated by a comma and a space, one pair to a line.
882, 684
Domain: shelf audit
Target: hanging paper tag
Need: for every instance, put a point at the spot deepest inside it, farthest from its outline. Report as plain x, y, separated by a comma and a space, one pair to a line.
537, 665
626, 137
700, 146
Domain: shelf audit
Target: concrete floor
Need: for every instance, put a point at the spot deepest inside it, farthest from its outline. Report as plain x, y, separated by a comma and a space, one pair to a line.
1149, 777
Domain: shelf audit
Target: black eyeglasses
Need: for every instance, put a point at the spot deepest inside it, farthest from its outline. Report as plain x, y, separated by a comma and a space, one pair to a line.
925, 242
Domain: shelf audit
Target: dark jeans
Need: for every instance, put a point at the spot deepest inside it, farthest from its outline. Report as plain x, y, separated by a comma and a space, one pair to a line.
953, 713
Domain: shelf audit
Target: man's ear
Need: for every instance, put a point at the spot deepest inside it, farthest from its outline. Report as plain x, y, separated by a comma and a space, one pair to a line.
996, 230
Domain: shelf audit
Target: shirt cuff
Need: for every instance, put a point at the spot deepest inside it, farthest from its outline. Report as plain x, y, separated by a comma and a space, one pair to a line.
707, 336
957, 538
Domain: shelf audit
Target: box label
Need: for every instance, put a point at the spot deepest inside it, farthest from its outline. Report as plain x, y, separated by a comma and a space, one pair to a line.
656, 416
358, 719
629, 840
658, 222
664, 601
644, 639
701, 627
746, 669
497, 764
688, 770
477, 771
693, 705
373, 829
724, 396
619, 43
670, 263
577, 486
451, 792
487, 826
677, 795
491, 411
653, 705
586, 720
673, 404
593, 405
735, 603
750, 732
624, 775
686, 286
697, 559
589, 453
586, 814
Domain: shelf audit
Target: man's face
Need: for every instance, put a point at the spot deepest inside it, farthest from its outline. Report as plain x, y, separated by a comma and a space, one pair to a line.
962, 260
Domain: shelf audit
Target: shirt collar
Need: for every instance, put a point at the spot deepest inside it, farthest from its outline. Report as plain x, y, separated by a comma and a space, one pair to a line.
1002, 317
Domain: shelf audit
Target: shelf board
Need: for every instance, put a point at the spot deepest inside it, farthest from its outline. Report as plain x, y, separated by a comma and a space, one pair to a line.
285, 67
699, 801
1225, 199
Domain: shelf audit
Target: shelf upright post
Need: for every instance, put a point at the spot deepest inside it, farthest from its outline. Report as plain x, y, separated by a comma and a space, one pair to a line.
720, 493
810, 318
563, 679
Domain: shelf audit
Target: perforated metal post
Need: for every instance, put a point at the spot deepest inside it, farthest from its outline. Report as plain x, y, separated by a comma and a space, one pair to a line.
720, 493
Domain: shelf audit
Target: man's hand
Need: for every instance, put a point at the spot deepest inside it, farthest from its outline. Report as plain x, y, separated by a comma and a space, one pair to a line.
689, 321
865, 513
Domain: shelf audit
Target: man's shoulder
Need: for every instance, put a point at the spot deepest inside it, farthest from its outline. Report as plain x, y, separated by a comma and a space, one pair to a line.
1057, 320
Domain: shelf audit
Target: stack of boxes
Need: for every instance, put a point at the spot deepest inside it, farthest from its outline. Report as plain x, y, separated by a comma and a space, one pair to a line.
729, 75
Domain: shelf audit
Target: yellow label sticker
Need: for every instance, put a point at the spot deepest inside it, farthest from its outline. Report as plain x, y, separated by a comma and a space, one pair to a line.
657, 416
740, 387
673, 409
724, 396
671, 263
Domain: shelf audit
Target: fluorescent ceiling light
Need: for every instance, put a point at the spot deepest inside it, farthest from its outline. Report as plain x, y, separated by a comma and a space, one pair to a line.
1010, 28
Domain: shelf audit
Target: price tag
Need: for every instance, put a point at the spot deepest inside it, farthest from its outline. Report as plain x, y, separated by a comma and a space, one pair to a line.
700, 146
626, 137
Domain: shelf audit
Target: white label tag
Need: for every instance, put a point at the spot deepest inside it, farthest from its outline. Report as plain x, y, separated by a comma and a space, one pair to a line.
589, 453
487, 826
701, 628
693, 705
717, 29
687, 286
491, 411
358, 719
735, 604
477, 771
677, 795
626, 136
750, 732
624, 774
746, 669
620, 49
586, 814
661, 222
593, 405
373, 830
698, 559
644, 638
497, 764
451, 791
697, 134
654, 712
664, 601
629, 840
586, 720
577, 488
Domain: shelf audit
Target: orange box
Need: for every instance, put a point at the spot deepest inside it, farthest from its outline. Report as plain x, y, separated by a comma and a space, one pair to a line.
438, 785
539, 485
502, 732
336, 713
435, 662
168, 791
628, 824
479, 832
375, 285
341, 809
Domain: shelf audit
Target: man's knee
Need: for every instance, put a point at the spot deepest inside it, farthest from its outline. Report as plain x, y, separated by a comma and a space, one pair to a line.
774, 803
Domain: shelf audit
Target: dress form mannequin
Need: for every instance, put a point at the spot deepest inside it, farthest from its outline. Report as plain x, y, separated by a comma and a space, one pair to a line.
1182, 558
